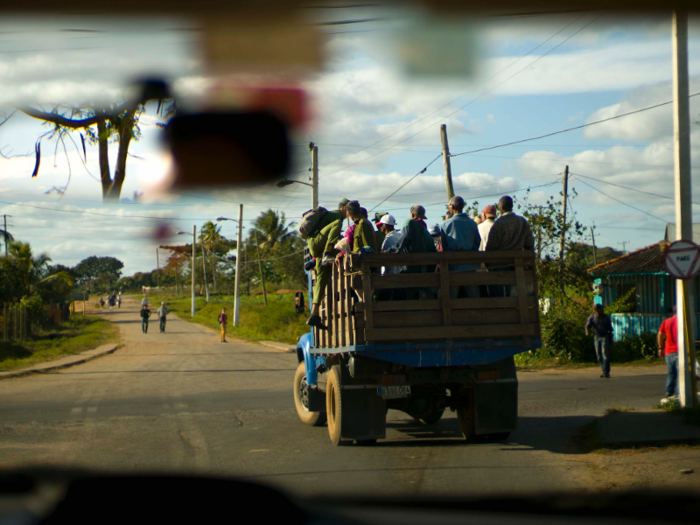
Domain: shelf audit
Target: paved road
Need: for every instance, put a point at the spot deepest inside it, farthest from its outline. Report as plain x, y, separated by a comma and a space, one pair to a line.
184, 401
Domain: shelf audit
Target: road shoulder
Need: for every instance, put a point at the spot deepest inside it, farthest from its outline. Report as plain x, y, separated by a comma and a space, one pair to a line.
64, 362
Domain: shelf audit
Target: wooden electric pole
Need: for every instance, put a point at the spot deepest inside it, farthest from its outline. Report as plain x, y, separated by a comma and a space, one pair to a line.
4, 232
563, 214
446, 162
595, 255
262, 277
204, 265
624, 246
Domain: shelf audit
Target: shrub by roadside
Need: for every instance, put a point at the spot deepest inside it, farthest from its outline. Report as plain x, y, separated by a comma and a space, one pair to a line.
72, 337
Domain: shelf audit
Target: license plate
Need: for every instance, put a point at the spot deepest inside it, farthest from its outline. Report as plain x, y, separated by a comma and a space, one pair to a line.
394, 392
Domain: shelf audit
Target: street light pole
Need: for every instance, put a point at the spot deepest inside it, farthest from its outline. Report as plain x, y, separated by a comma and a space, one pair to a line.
194, 268
237, 285
314, 175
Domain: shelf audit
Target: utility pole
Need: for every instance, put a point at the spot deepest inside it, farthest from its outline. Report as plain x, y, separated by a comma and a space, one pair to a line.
4, 231
262, 277
595, 255
204, 265
446, 162
157, 270
239, 248
624, 245
563, 214
194, 268
314, 175
685, 293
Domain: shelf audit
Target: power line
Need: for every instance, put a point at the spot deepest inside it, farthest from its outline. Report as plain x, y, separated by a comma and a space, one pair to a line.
407, 182
454, 100
570, 129
630, 188
624, 203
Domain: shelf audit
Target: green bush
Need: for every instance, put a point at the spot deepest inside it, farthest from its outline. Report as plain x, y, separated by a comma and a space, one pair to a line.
34, 307
635, 348
563, 333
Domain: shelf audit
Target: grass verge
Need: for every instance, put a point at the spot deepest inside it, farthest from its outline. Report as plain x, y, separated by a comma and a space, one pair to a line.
532, 362
69, 338
690, 416
278, 321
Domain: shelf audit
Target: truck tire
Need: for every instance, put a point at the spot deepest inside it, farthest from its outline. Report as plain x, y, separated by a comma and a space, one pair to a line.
334, 405
466, 419
431, 418
301, 396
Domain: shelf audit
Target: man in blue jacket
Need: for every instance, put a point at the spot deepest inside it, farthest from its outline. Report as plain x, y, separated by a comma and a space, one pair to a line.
462, 236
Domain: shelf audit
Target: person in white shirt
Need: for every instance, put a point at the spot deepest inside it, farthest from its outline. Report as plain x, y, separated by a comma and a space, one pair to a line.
387, 225
488, 217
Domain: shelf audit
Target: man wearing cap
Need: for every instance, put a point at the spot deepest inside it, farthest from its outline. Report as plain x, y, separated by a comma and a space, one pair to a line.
462, 236
364, 236
488, 217
322, 248
377, 223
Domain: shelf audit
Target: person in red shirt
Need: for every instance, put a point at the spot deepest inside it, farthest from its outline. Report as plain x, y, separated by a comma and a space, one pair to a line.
668, 348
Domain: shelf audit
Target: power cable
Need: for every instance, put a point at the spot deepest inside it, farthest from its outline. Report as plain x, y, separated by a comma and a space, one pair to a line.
624, 203
629, 188
452, 101
407, 182
648, 108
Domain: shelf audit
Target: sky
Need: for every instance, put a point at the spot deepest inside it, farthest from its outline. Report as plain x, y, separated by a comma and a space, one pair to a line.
375, 119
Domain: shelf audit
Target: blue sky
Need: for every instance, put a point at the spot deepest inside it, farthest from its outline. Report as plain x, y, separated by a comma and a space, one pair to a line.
602, 67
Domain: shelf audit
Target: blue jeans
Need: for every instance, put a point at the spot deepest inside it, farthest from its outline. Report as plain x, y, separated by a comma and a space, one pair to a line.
672, 378
602, 351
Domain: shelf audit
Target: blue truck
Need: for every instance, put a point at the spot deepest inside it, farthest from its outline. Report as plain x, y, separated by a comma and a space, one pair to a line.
409, 332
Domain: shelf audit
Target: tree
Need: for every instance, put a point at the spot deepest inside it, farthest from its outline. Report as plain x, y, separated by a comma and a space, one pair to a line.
90, 268
271, 228
116, 123
32, 268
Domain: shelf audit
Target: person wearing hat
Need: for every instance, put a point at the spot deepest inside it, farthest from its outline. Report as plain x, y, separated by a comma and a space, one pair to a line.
414, 238
418, 214
462, 235
363, 236
488, 217
342, 204
387, 225
380, 233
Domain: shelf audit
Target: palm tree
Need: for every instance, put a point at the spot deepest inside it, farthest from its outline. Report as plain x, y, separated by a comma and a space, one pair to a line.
212, 238
272, 228
8, 238
33, 267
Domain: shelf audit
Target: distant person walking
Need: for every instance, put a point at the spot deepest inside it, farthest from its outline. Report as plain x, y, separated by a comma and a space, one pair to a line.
223, 319
668, 349
145, 314
602, 337
144, 301
119, 300
162, 315
101, 302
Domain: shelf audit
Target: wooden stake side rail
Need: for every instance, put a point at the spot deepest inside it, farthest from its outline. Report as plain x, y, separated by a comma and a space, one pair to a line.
353, 315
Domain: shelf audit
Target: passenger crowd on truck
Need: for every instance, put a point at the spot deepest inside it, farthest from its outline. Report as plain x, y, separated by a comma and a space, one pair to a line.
495, 228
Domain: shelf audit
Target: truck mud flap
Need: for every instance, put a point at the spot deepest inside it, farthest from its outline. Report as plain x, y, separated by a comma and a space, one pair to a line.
317, 400
496, 406
364, 415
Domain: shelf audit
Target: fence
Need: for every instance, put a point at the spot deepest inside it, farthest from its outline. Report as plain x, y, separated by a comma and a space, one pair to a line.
17, 323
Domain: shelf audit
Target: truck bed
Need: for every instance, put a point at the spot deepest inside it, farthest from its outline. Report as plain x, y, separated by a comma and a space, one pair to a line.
433, 327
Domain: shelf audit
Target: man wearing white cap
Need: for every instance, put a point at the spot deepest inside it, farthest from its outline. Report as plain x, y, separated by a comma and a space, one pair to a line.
386, 225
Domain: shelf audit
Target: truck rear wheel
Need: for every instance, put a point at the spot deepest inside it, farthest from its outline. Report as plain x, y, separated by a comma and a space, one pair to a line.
334, 405
466, 419
301, 399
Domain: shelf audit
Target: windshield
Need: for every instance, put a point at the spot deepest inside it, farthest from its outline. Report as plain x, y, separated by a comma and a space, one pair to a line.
230, 244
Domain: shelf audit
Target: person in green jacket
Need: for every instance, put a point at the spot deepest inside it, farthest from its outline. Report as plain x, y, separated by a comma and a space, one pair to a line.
364, 235
321, 246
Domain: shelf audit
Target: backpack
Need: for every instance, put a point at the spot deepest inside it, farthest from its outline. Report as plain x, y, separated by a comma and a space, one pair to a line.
310, 220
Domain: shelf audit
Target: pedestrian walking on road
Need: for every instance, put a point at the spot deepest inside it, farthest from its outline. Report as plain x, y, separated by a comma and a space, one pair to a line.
145, 314
162, 313
668, 349
223, 319
102, 302
144, 301
119, 300
602, 337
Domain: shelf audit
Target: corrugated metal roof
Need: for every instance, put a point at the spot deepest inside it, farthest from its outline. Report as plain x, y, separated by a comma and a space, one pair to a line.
645, 260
